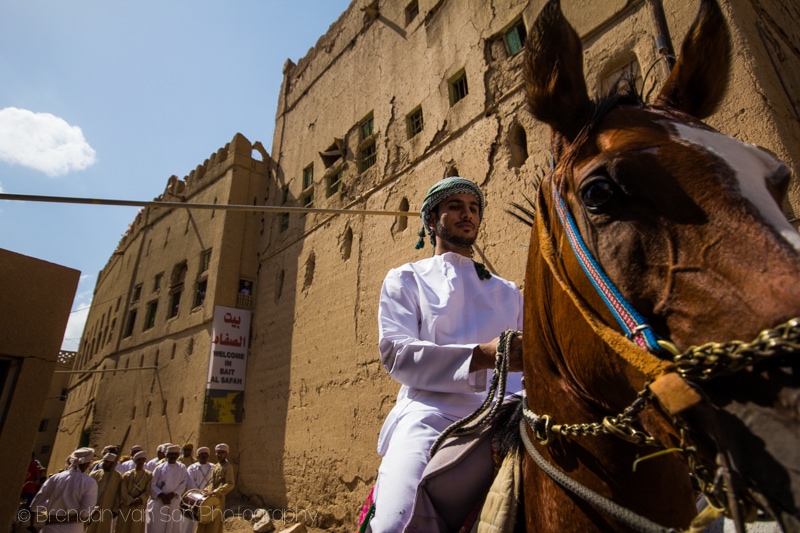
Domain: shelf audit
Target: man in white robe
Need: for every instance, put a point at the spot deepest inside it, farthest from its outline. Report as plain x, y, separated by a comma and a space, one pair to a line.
130, 464
150, 466
166, 490
198, 476
439, 322
161, 454
67, 498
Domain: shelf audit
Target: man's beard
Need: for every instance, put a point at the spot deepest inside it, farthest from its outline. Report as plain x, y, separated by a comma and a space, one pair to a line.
458, 240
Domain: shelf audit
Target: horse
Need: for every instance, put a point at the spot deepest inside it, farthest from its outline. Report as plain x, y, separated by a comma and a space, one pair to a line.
658, 244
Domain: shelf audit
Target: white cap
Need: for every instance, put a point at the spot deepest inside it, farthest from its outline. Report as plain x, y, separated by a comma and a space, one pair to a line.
221, 448
81, 456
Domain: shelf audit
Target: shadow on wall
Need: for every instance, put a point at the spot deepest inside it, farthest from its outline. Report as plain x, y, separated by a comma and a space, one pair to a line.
266, 400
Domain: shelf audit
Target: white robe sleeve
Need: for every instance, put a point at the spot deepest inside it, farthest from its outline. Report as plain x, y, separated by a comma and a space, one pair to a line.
411, 361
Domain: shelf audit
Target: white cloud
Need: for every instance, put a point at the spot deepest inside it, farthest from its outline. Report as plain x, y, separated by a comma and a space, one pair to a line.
42, 141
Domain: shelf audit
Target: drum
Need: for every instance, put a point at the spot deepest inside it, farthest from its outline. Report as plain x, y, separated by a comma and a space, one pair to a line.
199, 507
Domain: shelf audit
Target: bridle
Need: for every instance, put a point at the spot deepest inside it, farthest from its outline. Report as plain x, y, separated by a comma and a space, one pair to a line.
655, 357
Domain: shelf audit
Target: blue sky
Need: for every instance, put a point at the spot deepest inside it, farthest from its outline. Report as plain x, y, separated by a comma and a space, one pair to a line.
107, 99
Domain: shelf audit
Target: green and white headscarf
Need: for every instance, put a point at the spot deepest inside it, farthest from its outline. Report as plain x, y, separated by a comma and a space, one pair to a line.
437, 193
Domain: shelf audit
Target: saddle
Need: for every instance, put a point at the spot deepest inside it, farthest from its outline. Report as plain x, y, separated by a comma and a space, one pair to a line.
461, 490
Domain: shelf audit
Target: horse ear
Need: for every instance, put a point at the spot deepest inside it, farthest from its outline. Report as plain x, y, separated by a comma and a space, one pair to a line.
698, 80
554, 82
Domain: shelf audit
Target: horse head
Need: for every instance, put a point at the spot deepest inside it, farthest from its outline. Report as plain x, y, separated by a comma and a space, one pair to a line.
685, 224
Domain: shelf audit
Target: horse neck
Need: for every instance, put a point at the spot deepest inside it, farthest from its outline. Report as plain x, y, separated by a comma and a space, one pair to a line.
566, 364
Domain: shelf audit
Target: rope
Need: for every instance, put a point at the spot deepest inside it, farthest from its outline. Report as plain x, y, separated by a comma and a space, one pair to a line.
189, 205
626, 516
497, 389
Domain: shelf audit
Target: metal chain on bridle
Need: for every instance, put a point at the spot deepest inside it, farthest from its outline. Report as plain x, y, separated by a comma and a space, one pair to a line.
621, 425
701, 363
698, 363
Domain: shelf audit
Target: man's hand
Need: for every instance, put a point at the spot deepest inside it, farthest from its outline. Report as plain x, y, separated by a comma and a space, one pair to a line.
484, 354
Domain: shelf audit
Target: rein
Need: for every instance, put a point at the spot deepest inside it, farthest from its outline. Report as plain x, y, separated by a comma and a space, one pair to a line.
497, 391
624, 515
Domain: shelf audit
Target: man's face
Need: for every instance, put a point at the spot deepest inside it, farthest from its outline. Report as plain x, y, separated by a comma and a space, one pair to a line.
221, 455
108, 465
187, 452
172, 457
202, 458
456, 220
140, 463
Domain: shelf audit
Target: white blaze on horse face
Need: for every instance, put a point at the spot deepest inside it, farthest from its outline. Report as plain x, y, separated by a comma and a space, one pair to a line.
751, 167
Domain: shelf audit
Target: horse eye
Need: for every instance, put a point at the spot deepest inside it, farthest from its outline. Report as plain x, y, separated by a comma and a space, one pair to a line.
598, 194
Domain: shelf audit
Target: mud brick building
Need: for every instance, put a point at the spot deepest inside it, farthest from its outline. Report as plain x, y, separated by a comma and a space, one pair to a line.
395, 96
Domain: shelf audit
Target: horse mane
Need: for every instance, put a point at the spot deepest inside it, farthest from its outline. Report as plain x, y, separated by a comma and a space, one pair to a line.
623, 92
505, 436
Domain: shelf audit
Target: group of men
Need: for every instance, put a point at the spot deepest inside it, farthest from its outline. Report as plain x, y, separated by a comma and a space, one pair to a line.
135, 495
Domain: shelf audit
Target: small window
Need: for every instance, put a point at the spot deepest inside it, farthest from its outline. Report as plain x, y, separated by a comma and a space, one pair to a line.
174, 302
367, 127
151, 314
402, 222
284, 195
43, 425
308, 176
45, 450
308, 199
64, 395
515, 38
414, 122
412, 10
205, 260
200, 293
131, 322
137, 293
367, 156
334, 183
178, 274
147, 411
244, 300
284, 222
458, 87
245, 287
157, 281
